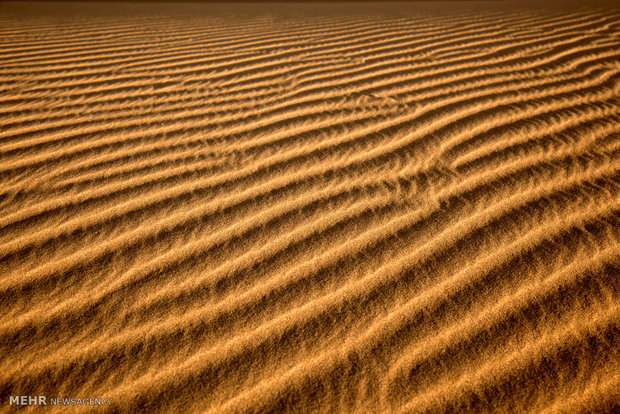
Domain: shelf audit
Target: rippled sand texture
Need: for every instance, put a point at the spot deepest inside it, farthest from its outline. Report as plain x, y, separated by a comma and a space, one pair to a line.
354, 208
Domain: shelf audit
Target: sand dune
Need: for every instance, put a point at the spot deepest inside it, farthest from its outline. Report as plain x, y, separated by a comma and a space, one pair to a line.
373, 207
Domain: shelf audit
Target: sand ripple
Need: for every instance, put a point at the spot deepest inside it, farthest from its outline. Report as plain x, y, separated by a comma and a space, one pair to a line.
357, 208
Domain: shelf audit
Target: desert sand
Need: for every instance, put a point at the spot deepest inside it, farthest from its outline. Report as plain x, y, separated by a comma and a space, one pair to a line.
361, 208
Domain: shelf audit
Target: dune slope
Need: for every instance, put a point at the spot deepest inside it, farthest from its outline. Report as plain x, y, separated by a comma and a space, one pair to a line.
333, 208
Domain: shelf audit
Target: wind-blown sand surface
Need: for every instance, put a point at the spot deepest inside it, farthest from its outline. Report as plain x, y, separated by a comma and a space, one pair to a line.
337, 208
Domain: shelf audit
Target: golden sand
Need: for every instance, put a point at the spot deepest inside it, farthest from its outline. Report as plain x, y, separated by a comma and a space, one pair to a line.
311, 208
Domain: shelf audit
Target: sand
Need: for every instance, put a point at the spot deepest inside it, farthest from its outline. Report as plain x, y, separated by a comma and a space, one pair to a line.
311, 208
